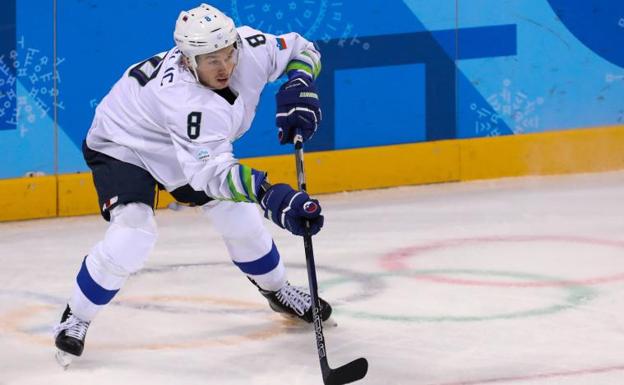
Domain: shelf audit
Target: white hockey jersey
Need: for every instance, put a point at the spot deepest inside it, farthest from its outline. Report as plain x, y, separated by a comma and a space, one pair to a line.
158, 117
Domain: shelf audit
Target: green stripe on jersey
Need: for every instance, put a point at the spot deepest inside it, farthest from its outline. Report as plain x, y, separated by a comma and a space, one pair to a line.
247, 180
317, 64
293, 65
236, 195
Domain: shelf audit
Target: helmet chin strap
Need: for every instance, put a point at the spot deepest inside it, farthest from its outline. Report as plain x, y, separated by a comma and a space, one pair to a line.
195, 73
191, 66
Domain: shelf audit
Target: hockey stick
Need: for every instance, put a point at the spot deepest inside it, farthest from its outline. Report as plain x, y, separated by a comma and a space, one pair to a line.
354, 370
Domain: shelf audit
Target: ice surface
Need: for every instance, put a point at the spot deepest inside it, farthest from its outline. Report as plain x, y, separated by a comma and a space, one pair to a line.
516, 281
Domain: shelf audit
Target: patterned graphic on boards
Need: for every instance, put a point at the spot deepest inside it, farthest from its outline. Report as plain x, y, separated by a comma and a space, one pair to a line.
27, 90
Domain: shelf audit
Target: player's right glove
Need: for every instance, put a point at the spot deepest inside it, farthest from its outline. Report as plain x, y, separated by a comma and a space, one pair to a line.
290, 209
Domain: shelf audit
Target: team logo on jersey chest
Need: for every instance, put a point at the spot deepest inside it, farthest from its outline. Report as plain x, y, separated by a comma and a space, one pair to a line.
202, 155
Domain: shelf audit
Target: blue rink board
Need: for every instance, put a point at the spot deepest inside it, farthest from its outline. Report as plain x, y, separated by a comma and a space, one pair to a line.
400, 71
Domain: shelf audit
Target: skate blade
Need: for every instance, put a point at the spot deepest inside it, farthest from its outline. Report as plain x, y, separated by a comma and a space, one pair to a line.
330, 322
64, 359
293, 320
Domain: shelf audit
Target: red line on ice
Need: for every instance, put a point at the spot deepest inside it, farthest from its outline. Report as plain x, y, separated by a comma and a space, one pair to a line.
395, 260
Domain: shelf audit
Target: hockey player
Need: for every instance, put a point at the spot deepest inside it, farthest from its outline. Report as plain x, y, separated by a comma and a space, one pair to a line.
169, 123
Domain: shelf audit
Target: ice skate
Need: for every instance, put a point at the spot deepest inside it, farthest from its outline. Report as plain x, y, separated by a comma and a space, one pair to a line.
295, 303
63, 359
69, 337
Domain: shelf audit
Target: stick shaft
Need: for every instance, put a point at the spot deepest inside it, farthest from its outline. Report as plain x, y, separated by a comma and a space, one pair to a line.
309, 252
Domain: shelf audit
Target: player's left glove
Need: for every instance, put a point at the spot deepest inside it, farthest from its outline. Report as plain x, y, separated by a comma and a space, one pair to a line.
290, 209
298, 108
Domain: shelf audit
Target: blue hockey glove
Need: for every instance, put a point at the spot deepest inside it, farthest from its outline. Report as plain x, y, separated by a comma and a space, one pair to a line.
290, 209
298, 108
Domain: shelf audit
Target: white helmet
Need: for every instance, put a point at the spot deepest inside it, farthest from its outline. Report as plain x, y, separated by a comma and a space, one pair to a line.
203, 30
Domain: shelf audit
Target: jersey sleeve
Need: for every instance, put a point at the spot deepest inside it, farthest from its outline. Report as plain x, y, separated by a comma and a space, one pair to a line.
290, 53
204, 152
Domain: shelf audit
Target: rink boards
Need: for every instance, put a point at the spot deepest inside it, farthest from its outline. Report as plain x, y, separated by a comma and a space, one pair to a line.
561, 152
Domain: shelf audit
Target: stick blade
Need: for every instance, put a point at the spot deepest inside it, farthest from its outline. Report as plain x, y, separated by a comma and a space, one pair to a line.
353, 371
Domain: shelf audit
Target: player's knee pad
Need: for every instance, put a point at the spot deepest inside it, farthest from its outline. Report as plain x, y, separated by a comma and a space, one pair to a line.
134, 215
235, 220
131, 236
242, 229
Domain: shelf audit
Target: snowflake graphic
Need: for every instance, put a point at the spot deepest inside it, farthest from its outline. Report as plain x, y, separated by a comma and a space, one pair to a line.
517, 107
314, 19
35, 72
486, 123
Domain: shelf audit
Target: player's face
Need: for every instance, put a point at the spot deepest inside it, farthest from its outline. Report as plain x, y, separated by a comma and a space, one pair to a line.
215, 69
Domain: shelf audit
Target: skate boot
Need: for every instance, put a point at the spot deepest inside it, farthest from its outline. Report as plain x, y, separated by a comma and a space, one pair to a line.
293, 302
69, 337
